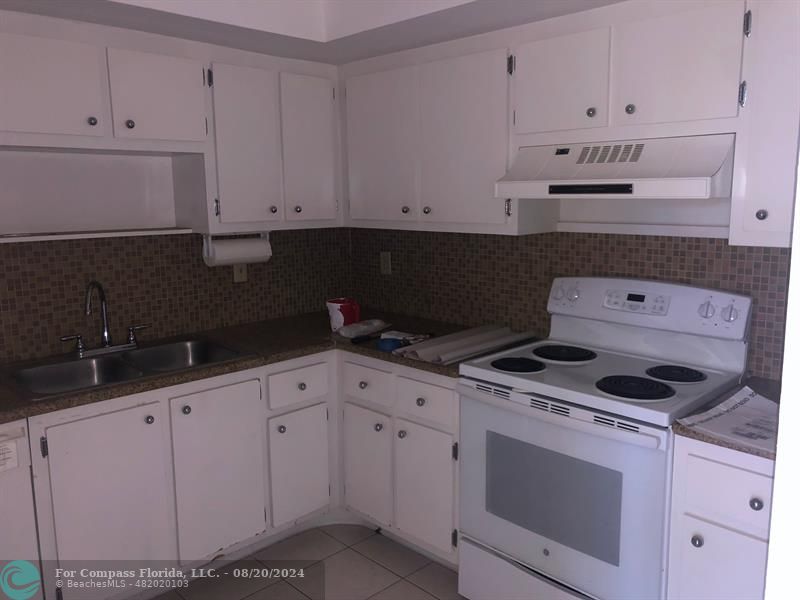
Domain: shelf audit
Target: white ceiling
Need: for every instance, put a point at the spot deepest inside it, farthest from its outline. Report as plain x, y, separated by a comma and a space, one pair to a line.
330, 31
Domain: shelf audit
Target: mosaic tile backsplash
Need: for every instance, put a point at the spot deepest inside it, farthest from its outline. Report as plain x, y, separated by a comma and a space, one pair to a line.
461, 278
478, 279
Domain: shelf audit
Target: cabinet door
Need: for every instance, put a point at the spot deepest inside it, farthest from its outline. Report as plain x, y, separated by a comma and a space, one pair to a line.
309, 160
679, 67
726, 566
17, 520
110, 479
368, 462
382, 144
424, 483
157, 97
464, 138
51, 86
219, 451
562, 82
298, 449
248, 139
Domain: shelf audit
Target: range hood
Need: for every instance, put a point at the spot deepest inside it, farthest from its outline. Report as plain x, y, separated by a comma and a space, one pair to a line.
677, 167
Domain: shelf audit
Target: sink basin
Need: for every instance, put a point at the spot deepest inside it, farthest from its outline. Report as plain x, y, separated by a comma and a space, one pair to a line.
73, 375
178, 355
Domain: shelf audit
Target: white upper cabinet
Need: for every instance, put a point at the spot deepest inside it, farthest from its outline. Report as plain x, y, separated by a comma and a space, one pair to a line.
248, 143
157, 97
52, 86
679, 67
383, 144
309, 138
463, 140
562, 82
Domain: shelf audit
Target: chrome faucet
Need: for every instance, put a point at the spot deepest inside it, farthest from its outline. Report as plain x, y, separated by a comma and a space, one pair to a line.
101, 295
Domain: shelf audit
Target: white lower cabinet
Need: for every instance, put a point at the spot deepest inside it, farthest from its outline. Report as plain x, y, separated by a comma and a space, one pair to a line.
424, 483
719, 529
298, 459
368, 462
17, 520
218, 441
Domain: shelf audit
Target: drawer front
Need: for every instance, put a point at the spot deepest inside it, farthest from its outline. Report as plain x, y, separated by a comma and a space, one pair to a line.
297, 385
368, 384
426, 401
728, 495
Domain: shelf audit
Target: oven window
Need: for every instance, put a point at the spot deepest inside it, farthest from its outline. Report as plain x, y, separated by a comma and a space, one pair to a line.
570, 501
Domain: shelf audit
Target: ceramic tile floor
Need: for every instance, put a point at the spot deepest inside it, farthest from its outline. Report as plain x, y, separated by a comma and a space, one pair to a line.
357, 564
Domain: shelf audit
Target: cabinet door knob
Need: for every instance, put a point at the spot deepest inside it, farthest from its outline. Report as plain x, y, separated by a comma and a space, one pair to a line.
378, 426
420, 401
281, 428
130, 123
92, 121
298, 209
697, 541
149, 419
186, 409
630, 109
273, 209
363, 385
427, 210
756, 503
402, 433
591, 111
301, 386
762, 215
405, 210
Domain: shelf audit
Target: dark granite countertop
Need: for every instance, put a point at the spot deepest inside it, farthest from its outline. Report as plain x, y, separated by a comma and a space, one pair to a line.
260, 343
766, 387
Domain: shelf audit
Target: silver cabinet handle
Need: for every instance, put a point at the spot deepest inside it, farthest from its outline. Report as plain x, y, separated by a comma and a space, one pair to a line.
130, 123
363, 385
420, 401
756, 503
697, 541
762, 215
186, 409
405, 210
149, 419
273, 209
591, 111
378, 426
402, 433
427, 210
281, 428
630, 109
301, 386
298, 209
92, 121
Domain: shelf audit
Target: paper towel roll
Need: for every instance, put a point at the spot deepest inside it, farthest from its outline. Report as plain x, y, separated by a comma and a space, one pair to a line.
217, 253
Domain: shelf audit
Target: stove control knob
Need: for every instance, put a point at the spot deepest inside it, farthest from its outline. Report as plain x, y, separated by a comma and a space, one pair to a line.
573, 294
729, 314
706, 310
558, 294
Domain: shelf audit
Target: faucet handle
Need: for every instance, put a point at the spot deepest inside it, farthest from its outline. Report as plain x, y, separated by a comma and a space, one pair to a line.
132, 329
79, 347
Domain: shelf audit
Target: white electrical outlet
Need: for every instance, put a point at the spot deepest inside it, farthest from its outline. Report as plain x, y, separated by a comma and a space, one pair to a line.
239, 273
386, 263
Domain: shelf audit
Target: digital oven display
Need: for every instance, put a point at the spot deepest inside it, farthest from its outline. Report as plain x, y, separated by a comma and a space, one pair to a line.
635, 297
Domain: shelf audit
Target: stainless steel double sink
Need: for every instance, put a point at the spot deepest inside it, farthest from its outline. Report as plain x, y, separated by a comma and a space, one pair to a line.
78, 374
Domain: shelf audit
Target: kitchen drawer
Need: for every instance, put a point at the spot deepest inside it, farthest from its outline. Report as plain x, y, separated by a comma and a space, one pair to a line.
728, 495
368, 384
425, 401
297, 385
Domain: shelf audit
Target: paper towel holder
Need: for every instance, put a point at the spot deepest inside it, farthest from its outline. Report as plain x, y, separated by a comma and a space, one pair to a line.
209, 238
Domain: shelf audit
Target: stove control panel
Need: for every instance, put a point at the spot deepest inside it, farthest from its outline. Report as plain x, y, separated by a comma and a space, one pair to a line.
637, 302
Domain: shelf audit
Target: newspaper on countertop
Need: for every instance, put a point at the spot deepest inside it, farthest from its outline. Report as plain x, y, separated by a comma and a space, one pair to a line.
746, 418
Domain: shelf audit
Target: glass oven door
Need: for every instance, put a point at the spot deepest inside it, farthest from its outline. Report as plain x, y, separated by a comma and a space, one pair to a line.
581, 502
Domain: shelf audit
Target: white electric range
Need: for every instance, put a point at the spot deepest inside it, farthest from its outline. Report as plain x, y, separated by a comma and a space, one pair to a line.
565, 446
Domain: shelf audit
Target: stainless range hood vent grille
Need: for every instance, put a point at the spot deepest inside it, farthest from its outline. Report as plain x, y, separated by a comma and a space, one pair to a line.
618, 153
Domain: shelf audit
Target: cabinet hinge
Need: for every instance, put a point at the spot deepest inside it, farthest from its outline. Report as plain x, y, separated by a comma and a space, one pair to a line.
508, 207
59, 594
743, 93
44, 447
455, 451
216, 207
747, 25
334, 93
210, 78
329, 490
514, 117
511, 64
206, 125
327, 415
454, 538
